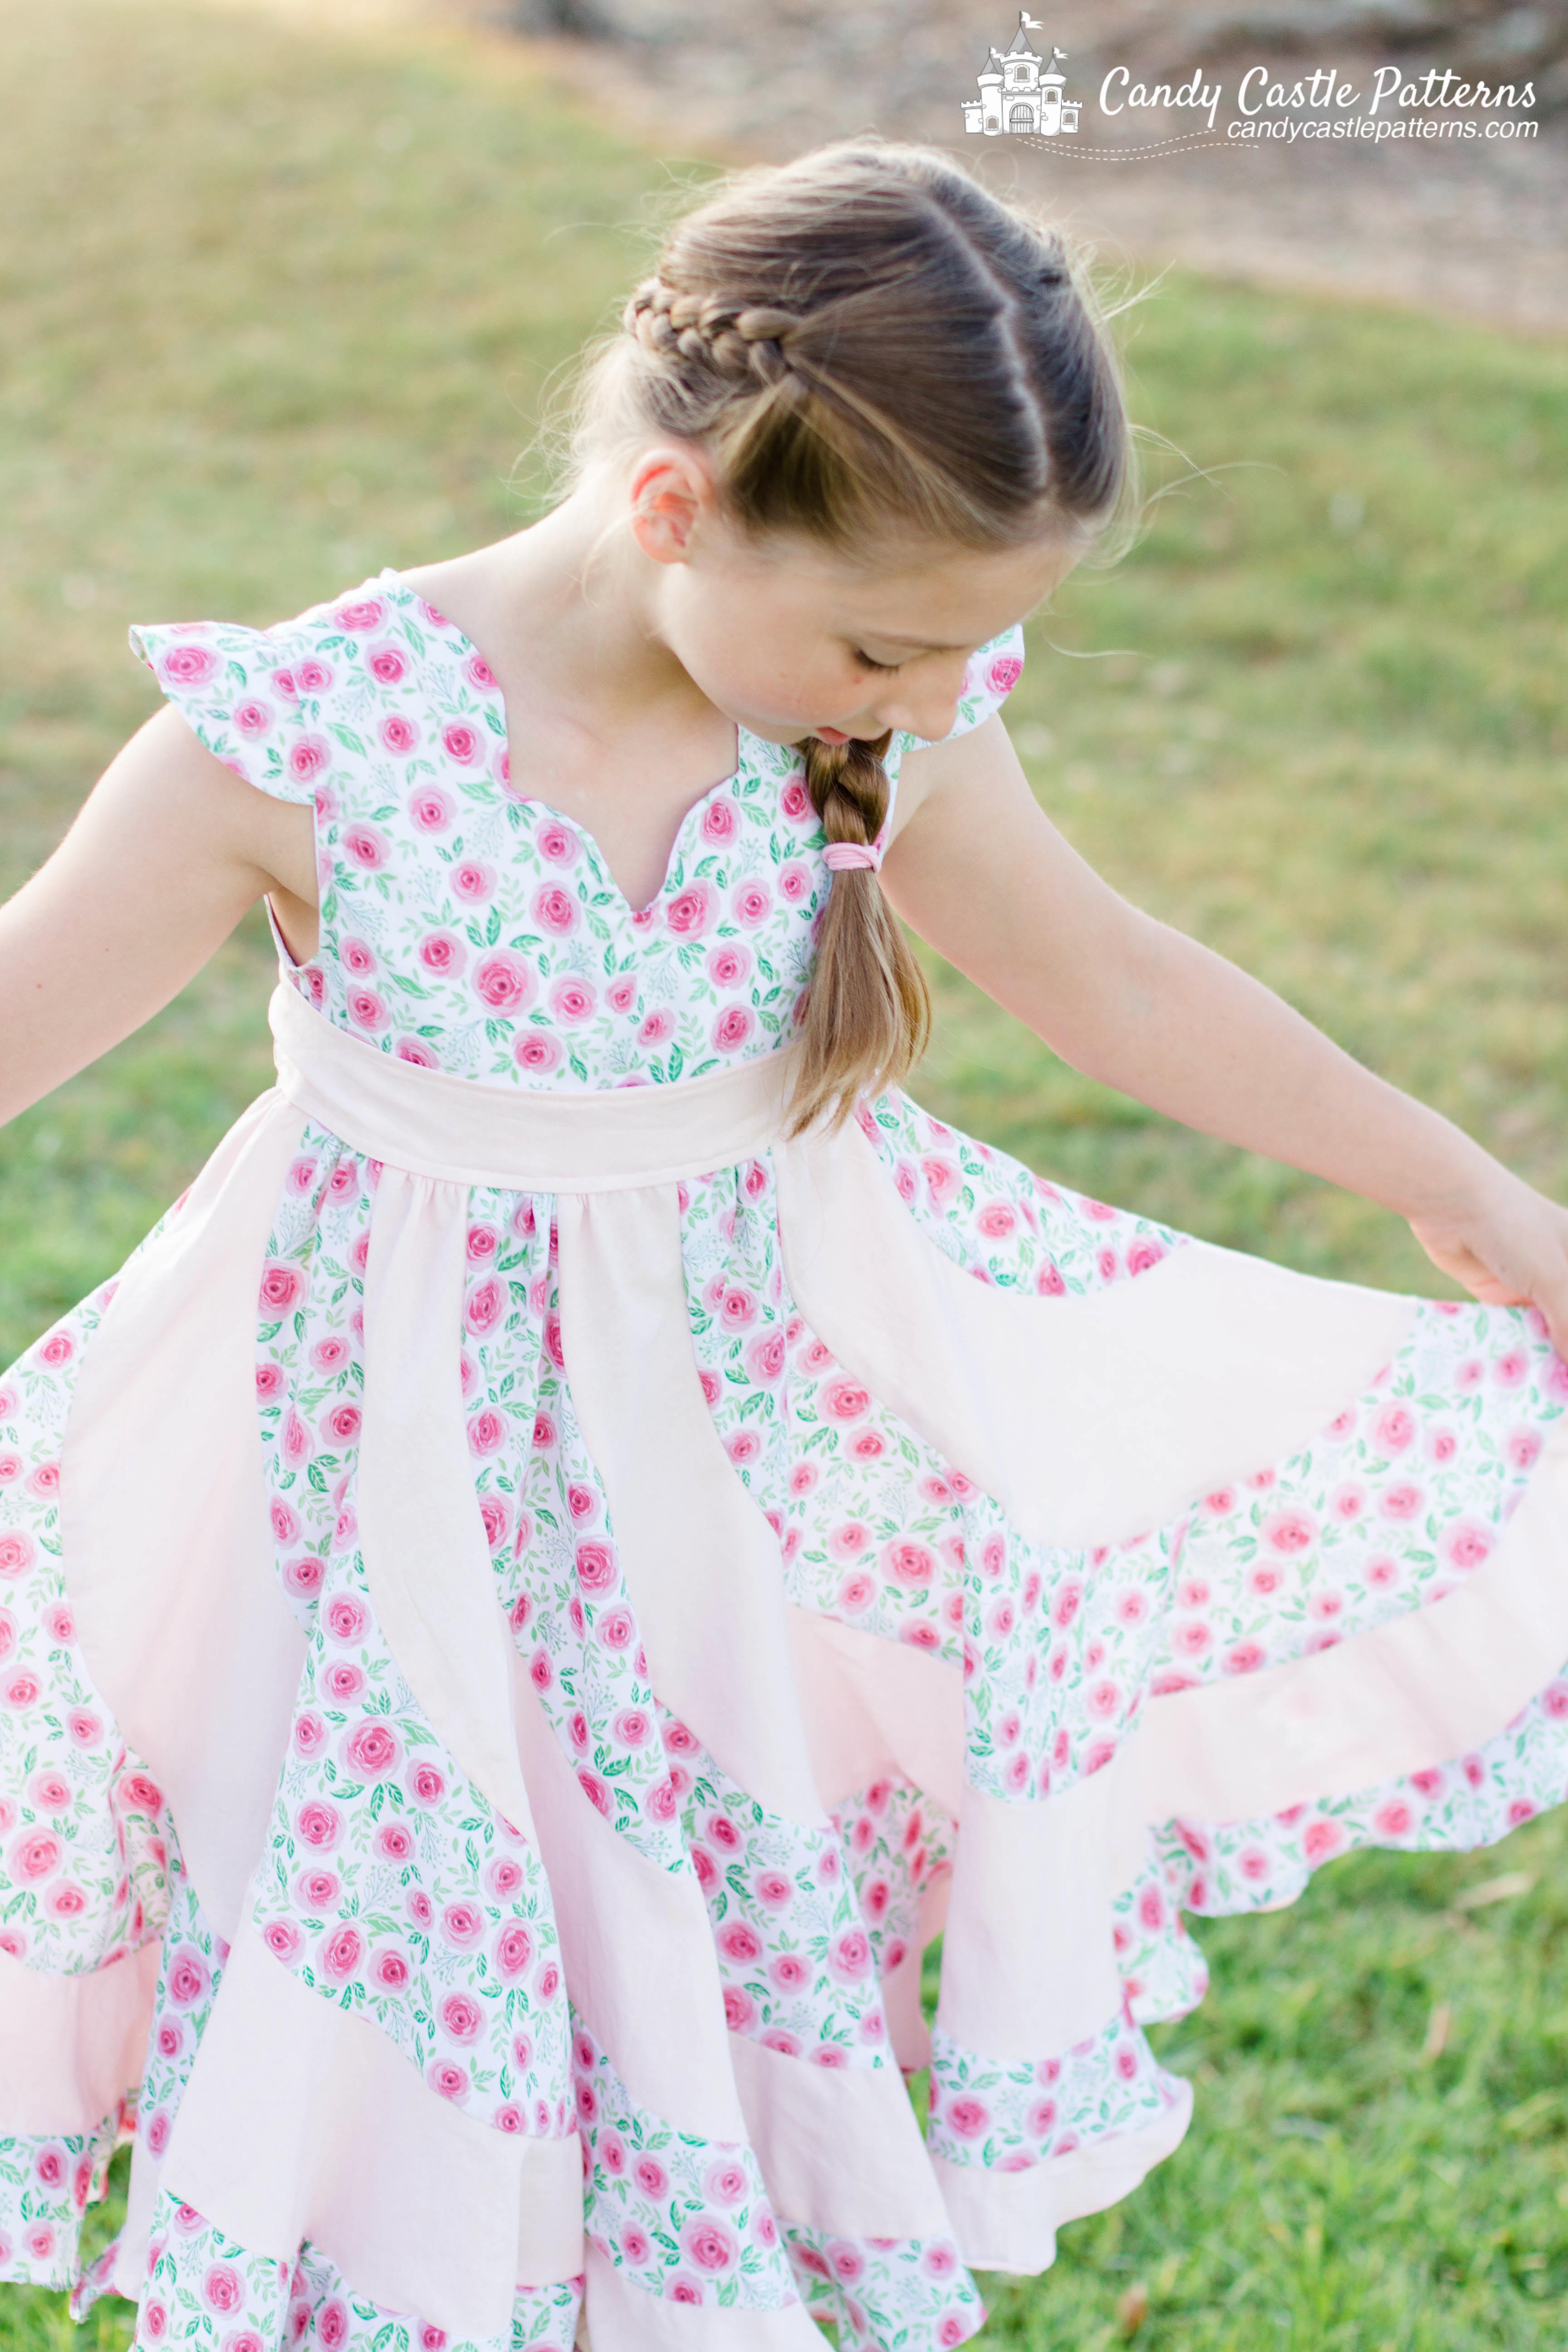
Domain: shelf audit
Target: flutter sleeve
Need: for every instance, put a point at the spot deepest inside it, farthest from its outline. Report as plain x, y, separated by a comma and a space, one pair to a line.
993, 671
249, 694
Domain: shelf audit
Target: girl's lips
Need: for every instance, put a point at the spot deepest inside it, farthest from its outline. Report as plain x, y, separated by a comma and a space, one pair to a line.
834, 735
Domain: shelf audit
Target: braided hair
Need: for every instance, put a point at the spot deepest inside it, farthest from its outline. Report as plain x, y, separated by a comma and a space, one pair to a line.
871, 346
706, 331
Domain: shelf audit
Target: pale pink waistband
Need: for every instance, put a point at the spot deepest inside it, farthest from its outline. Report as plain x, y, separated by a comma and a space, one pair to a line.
464, 1131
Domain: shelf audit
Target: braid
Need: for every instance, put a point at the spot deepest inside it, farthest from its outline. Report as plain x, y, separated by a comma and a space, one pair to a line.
869, 1011
732, 340
849, 786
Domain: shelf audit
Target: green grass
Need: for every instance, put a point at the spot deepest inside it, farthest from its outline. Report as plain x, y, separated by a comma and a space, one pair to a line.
278, 312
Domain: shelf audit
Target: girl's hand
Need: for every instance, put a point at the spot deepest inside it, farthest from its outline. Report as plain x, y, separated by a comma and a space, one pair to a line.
1509, 1247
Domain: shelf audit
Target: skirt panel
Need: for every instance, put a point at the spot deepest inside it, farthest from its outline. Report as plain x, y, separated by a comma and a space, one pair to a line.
83, 1828
998, 1221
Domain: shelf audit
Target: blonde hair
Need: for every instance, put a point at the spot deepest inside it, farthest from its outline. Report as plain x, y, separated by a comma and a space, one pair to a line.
871, 345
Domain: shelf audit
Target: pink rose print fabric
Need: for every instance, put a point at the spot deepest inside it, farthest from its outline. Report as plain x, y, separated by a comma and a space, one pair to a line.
558, 1573
469, 931
191, 1965
325, 2315
464, 924
1002, 1225
395, 1890
83, 1832
985, 2112
1402, 1497
203, 2287
900, 1844
688, 2220
46, 2186
874, 2290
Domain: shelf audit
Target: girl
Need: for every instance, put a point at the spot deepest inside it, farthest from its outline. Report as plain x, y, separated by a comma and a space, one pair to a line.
595, 1528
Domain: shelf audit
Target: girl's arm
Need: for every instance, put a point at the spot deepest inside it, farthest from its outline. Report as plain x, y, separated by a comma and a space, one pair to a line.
162, 860
979, 870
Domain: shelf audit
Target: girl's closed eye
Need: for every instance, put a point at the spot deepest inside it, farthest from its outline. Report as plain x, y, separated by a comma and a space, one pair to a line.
866, 662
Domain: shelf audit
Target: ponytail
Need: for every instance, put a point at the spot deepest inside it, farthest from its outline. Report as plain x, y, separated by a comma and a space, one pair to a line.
867, 1011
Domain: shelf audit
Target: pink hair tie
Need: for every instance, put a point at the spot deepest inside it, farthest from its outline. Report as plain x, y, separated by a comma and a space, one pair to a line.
840, 855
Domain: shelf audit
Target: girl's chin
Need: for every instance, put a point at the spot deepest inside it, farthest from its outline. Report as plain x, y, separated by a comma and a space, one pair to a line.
798, 731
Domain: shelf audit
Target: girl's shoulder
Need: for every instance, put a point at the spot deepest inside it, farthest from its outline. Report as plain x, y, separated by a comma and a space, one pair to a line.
282, 704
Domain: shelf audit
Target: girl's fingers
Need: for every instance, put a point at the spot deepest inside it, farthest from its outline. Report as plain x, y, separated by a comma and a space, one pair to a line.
1533, 1248
1453, 1258
1548, 1292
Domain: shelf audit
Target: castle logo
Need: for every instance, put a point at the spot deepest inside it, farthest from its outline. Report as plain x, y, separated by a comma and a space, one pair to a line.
1019, 92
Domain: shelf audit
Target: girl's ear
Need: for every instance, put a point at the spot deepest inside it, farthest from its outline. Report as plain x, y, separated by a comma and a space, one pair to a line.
671, 492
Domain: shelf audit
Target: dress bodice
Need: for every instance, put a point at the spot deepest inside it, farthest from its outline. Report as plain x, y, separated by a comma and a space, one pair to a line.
464, 923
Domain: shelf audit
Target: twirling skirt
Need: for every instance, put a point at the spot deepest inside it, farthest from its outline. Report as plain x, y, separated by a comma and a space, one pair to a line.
522, 1614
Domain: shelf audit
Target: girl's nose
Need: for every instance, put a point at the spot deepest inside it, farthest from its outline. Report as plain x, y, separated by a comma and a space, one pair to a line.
925, 703
928, 715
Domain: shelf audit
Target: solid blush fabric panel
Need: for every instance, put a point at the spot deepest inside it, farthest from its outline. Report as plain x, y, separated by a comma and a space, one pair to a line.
70, 2046
1090, 1418
163, 1515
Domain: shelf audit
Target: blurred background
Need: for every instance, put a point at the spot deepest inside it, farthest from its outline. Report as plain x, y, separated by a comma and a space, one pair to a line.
1481, 227
283, 287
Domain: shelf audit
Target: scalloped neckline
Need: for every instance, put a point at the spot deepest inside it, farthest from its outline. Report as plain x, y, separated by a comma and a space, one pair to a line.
636, 914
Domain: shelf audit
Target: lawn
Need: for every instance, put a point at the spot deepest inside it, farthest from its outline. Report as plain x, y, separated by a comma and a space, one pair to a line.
279, 312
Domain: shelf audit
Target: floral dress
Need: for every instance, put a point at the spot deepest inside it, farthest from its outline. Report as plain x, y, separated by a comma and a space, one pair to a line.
535, 1593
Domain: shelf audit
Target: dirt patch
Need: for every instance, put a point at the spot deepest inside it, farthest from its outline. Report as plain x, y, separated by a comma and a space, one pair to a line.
1477, 226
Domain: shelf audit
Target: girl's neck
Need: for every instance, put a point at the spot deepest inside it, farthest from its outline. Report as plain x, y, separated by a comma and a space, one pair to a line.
604, 724
566, 613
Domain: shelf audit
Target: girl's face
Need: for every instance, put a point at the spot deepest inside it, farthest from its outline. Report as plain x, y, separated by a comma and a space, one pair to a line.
790, 638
